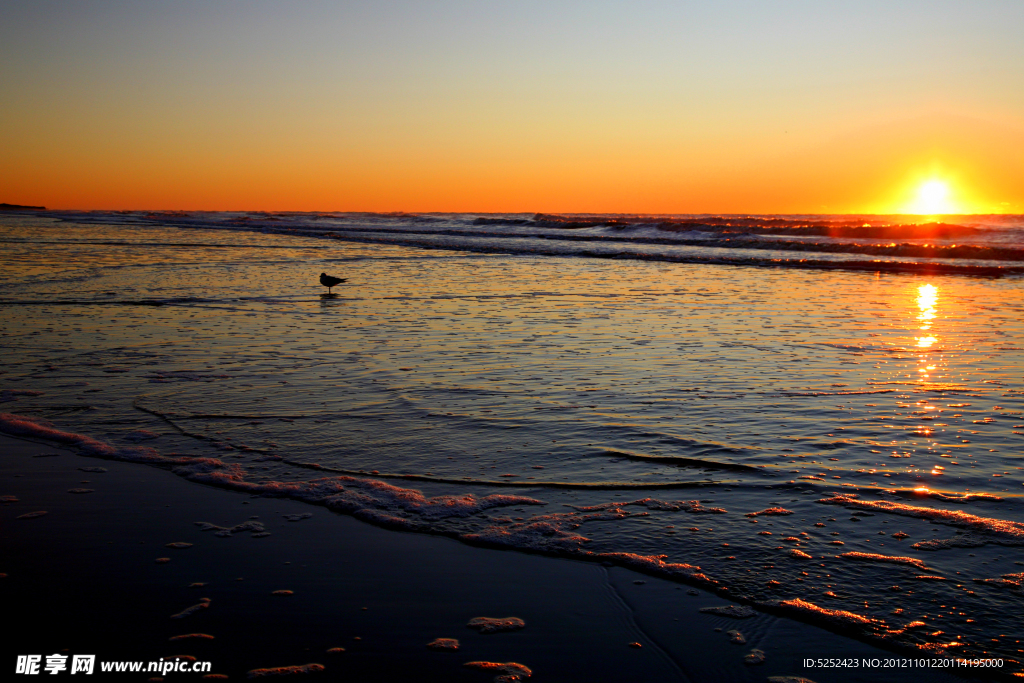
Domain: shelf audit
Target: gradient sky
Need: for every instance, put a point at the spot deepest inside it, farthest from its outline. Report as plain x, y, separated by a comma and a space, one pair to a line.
521, 105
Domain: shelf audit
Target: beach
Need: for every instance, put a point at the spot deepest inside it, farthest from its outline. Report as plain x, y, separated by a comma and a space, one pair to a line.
474, 430
84, 580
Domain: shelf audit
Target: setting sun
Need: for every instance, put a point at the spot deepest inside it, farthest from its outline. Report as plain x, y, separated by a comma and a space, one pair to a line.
932, 198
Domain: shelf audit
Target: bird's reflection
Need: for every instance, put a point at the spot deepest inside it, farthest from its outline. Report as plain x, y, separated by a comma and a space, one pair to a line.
331, 301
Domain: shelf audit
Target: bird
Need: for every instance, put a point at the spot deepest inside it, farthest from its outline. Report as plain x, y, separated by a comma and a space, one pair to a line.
329, 281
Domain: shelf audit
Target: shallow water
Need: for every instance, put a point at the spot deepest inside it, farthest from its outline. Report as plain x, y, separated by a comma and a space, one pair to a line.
562, 404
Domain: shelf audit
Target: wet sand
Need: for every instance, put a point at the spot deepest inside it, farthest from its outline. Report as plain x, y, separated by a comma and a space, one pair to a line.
84, 579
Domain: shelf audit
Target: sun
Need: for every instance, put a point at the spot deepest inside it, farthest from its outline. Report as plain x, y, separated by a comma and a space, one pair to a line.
932, 199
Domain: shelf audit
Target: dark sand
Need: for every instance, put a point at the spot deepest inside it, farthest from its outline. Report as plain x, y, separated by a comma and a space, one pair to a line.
83, 579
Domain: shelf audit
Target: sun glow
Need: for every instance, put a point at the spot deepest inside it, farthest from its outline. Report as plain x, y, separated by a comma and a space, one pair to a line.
933, 199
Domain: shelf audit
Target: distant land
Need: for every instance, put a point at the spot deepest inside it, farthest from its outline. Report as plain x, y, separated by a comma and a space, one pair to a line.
19, 207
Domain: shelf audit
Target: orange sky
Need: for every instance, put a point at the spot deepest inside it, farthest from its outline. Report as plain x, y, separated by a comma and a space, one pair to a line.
656, 107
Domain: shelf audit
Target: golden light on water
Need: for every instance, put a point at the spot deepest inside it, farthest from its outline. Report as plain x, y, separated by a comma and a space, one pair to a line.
928, 295
927, 300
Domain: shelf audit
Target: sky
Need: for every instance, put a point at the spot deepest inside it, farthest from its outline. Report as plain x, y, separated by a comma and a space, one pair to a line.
639, 106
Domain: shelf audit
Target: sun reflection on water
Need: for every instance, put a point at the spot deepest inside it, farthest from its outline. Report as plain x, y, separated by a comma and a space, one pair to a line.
927, 298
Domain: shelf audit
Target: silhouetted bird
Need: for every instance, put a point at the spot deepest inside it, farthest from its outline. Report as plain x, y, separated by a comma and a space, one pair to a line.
328, 281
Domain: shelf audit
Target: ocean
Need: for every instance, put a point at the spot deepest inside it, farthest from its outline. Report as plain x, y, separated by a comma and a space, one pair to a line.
818, 416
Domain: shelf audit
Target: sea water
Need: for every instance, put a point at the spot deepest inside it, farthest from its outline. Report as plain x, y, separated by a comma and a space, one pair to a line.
835, 444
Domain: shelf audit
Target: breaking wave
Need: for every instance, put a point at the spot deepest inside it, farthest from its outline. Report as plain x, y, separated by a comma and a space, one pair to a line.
984, 246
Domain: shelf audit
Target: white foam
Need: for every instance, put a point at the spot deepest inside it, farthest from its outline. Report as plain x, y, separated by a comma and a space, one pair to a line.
286, 670
890, 559
192, 610
508, 672
985, 529
369, 499
770, 511
444, 644
693, 506
494, 624
813, 613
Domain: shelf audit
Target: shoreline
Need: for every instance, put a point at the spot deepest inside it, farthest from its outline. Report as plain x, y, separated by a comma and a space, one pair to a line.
95, 553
